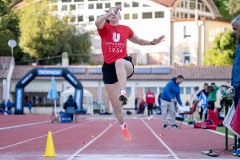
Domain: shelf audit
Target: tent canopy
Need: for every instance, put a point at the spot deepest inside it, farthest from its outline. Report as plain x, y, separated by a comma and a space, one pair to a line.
86, 95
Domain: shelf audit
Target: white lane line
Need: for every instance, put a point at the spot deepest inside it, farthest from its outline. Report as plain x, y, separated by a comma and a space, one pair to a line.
89, 143
28, 140
164, 144
123, 157
23, 125
223, 134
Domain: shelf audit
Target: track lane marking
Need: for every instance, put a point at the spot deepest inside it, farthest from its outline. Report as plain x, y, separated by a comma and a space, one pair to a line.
28, 140
164, 144
23, 125
89, 143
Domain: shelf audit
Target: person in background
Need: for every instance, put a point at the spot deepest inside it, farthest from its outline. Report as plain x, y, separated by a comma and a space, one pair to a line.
212, 119
203, 101
212, 97
70, 103
226, 99
3, 105
30, 106
235, 80
136, 104
118, 66
9, 106
142, 106
193, 99
170, 96
150, 100
159, 103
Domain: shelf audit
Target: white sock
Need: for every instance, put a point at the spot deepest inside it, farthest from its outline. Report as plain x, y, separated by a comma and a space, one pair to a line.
123, 91
123, 126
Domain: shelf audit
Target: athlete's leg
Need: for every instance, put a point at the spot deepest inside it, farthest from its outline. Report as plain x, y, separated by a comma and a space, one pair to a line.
124, 69
113, 93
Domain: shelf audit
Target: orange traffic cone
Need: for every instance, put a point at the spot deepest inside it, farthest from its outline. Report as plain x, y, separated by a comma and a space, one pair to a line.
50, 150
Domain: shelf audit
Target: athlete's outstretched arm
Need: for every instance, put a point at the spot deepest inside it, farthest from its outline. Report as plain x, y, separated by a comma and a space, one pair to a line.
143, 42
100, 21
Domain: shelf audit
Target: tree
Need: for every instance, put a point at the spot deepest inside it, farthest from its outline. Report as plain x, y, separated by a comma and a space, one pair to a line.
222, 8
233, 7
9, 29
223, 49
44, 35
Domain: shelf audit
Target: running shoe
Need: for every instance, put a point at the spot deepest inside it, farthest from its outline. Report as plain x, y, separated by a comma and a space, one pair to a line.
123, 99
236, 152
126, 134
165, 126
174, 126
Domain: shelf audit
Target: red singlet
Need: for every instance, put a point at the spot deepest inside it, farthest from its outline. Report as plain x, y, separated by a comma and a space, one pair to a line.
114, 41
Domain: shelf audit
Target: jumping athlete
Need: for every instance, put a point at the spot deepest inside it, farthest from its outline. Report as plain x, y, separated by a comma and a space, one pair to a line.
118, 66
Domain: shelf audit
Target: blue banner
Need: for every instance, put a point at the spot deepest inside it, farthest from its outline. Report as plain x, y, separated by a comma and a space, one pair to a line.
19, 99
78, 97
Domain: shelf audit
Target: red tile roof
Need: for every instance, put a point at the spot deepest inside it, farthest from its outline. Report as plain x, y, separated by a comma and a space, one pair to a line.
168, 3
189, 73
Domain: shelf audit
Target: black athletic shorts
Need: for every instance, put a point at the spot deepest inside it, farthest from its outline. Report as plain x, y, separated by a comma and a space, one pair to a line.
109, 72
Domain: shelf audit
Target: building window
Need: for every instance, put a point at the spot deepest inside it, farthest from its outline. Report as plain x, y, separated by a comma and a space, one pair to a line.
78, 0
186, 58
161, 89
134, 16
72, 7
99, 6
126, 16
80, 18
159, 14
91, 6
145, 5
126, 4
188, 90
118, 3
81, 7
91, 18
64, 7
135, 4
66, 1
147, 15
72, 19
192, 5
107, 5
53, 1
181, 90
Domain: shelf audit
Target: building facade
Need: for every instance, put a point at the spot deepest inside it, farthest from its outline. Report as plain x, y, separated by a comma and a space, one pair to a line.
188, 25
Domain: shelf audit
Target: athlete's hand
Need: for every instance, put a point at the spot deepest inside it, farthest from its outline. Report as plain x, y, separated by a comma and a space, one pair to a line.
117, 8
158, 40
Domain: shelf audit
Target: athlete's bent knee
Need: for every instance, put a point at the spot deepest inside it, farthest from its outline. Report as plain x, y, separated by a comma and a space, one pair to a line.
119, 63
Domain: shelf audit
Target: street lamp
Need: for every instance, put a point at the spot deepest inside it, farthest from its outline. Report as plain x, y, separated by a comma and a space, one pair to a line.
12, 43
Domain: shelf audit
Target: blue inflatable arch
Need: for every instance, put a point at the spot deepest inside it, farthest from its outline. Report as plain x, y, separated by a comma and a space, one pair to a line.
47, 72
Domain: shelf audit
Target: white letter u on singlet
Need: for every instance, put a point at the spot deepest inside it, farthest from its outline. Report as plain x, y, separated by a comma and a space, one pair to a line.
116, 37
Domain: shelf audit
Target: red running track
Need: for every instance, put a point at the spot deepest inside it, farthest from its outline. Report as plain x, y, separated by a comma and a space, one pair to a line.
23, 137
